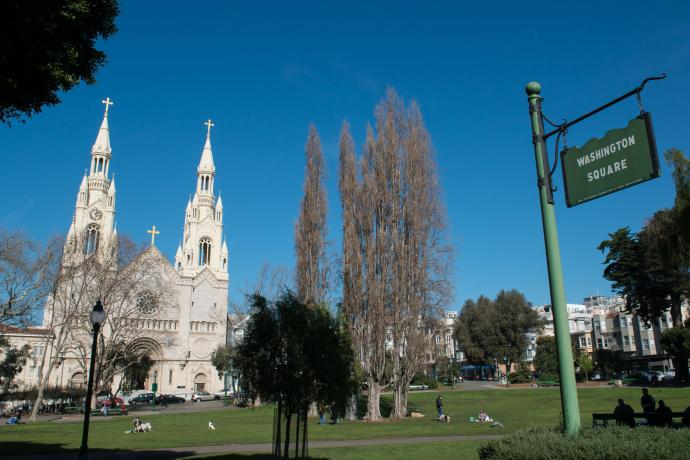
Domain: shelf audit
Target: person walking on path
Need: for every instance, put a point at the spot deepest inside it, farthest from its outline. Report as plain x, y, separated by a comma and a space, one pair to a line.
439, 406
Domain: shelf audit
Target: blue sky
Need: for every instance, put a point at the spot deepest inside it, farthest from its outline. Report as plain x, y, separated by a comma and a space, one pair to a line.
263, 71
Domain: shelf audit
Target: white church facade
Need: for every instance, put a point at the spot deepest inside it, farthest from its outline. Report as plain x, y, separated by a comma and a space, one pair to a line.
180, 333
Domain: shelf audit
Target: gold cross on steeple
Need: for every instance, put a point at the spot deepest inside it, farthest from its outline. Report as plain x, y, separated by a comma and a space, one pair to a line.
107, 103
153, 233
210, 125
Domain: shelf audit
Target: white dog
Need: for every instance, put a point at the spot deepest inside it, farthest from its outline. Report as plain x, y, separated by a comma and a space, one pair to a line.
211, 426
444, 418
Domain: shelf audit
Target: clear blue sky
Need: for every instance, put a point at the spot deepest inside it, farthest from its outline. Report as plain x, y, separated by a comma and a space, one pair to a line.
264, 71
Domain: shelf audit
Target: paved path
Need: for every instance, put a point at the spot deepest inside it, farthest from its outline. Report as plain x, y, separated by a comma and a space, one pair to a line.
178, 452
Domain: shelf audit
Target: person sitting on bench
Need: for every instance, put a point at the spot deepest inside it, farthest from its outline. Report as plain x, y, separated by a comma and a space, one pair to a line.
624, 414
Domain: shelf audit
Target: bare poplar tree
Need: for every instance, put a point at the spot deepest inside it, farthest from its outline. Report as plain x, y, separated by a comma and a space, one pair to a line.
395, 260
310, 231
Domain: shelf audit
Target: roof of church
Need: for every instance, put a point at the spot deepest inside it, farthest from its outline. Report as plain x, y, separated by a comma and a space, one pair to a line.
206, 162
102, 144
27, 331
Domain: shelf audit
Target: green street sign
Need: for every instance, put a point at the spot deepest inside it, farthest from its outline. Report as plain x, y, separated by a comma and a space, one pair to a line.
622, 158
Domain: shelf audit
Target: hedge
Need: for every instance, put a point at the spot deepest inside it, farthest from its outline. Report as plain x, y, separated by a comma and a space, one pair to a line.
612, 443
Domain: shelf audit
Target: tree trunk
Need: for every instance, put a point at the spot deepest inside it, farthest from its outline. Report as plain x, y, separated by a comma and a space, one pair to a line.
676, 314
373, 401
42, 381
351, 408
288, 419
399, 403
681, 365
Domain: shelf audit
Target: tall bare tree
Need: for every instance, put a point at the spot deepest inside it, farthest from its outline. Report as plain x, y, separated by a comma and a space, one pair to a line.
133, 289
395, 259
26, 271
310, 230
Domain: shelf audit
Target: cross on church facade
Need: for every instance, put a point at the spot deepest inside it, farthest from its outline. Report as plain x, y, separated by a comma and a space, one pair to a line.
153, 233
107, 103
210, 125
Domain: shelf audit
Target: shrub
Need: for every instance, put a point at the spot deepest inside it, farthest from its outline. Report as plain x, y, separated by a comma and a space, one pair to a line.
548, 377
421, 379
523, 375
612, 443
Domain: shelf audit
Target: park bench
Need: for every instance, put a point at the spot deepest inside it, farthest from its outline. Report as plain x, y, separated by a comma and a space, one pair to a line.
546, 383
113, 411
602, 419
71, 407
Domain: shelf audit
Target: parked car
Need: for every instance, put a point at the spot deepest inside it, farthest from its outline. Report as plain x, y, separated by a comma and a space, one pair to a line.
595, 376
169, 399
669, 376
220, 394
202, 396
144, 398
119, 402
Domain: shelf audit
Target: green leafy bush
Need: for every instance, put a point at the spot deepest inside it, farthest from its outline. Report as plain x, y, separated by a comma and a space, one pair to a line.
612, 443
421, 379
522, 375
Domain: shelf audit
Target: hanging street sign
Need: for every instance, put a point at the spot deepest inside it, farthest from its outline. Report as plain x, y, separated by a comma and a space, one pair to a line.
622, 158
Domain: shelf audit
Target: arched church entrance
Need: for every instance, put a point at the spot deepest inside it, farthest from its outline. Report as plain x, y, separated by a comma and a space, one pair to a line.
200, 382
77, 380
146, 355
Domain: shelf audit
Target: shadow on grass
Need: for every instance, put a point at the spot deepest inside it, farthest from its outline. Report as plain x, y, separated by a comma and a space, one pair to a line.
35, 450
245, 457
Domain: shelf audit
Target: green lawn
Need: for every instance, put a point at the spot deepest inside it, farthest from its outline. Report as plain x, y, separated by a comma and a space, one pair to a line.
514, 408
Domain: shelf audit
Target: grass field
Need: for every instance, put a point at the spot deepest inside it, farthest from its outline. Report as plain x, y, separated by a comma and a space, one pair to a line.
515, 408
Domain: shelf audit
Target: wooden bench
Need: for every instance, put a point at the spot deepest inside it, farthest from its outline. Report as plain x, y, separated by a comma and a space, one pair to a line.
602, 419
113, 411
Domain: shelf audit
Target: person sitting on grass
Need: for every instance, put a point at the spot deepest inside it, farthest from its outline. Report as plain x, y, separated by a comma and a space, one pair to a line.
484, 417
624, 414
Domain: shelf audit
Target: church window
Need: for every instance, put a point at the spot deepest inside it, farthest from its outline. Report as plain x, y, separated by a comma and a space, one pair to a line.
179, 265
91, 238
170, 374
225, 261
204, 251
147, 303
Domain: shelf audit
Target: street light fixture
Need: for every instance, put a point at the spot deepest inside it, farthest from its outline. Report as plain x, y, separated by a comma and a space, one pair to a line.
97, 318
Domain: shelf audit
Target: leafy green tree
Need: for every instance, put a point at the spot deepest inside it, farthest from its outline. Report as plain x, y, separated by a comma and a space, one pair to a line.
546, 357
608, 362
295, 354
47, 47
222, 359
13, 360
585, 364
495, 329
651, 269
676, 342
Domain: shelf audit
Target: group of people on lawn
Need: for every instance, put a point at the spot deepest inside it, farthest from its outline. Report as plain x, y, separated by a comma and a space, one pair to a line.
659, 413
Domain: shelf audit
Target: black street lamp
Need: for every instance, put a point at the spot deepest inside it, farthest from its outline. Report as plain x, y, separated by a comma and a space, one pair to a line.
97, 318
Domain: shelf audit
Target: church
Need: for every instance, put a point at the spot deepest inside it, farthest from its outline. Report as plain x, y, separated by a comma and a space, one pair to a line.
179, 334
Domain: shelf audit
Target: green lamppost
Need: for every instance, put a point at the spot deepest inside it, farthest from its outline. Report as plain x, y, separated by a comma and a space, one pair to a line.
154, 387
566, 371
97, 318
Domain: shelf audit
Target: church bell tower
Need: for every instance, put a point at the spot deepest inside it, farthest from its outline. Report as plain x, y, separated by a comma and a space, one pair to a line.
92, 230
202, 244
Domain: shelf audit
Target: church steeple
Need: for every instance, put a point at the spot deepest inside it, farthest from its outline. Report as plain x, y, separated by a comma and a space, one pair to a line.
206, 171
92, 228
202, 243
101, 151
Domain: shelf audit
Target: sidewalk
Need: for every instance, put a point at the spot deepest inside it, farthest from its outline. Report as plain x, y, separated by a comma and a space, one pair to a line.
178, 452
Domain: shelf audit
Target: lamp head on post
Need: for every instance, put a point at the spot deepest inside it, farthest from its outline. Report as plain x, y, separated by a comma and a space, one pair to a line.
97, 315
